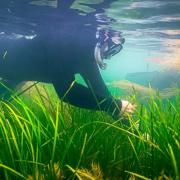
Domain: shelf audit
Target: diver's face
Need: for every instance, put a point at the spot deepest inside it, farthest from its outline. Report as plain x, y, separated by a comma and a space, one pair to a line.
107, 47
110, 51
112, 47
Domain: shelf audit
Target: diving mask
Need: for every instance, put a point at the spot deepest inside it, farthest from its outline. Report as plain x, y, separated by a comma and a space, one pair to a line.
109, 44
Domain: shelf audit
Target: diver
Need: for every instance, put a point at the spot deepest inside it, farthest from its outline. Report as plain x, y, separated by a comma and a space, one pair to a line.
55, 53
28, 59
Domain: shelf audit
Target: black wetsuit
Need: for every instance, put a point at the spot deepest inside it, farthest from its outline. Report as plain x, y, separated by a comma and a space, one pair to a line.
55, 54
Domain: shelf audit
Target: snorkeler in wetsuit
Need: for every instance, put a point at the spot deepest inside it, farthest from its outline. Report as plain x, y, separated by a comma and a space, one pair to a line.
55, 55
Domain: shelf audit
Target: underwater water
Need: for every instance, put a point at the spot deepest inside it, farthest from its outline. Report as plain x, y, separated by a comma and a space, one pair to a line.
152, 32
150, 55
41, 137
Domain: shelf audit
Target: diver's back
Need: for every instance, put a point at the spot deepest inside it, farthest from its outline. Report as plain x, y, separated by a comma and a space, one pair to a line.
22, 56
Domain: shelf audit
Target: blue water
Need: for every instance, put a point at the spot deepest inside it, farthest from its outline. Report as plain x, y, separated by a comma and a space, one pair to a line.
152, 32
152, 48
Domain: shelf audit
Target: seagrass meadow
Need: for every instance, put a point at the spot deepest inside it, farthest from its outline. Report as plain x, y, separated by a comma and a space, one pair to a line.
135, 43
43, 138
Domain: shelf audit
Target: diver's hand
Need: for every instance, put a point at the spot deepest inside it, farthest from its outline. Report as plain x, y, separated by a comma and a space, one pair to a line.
127, 107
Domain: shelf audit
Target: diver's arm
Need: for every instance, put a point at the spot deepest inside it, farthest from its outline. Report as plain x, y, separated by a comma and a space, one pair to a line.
94, 80
81, 96
98, 88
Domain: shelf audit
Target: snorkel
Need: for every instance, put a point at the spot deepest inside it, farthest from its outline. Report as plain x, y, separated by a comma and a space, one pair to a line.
109, 44
98, 57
